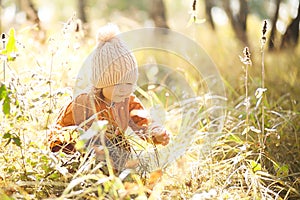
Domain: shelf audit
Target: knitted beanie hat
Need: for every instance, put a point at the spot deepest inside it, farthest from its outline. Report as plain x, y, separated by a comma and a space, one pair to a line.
112, 63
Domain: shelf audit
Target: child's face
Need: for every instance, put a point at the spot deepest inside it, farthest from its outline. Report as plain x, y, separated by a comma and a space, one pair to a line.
119, 92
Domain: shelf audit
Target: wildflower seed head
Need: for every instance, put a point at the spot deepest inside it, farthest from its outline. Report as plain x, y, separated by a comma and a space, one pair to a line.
246, 52
264, 30
194, 5
246, 59
78, 26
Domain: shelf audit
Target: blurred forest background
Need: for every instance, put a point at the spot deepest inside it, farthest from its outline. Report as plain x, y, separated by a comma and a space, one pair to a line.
257, 155
230, 26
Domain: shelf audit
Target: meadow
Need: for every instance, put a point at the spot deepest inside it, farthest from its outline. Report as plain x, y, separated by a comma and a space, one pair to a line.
255, 156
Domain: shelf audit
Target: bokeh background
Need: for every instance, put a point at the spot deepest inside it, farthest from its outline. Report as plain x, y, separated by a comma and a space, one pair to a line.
229, 26
257, 153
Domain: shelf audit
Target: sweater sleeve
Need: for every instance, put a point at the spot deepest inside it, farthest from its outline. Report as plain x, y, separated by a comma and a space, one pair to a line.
65, 116
83, 108
62, 136
139, 118
59, 138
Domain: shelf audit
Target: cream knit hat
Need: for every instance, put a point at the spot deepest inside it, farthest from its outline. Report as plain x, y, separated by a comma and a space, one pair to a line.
112, 63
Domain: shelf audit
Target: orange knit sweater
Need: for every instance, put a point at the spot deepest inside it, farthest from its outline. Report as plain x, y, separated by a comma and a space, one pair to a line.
83, 107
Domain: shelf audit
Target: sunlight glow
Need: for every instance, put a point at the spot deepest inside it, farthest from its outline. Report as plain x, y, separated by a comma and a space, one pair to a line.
21, 17
281, 26
235, 6
9, 14
284, 12
219, 16
45, 14
293, 7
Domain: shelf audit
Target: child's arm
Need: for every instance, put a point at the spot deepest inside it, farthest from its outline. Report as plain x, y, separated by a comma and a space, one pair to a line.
141, 124
74, 113
57, 138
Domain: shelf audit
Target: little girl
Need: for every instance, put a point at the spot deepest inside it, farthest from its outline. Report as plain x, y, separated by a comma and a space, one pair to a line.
111, 98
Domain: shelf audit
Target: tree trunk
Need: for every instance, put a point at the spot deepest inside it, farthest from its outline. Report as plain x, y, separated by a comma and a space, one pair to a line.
228, 11
273, 31
291, 35
208, 6
243, 14
241, 24
32, 15
81, 11
158, 13
31, 12
238, 22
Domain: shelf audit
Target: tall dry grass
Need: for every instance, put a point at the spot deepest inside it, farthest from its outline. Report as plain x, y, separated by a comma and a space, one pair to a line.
242, 163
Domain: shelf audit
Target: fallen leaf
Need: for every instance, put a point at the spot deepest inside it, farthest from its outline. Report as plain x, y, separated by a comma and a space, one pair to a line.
155, 176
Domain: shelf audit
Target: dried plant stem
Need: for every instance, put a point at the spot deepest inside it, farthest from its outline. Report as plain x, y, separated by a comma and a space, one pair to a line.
246, 60
50, 92
4, 62
263, 42
246, 96
22, 153
262, 86
107, 157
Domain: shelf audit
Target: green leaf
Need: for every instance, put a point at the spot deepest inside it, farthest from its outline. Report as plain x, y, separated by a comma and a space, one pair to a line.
54, 176
281, 170
44, 159
255, 166
10, 49
6, 106
6, 136
17, 141
234, 138
3, 92
80, 145
4, 95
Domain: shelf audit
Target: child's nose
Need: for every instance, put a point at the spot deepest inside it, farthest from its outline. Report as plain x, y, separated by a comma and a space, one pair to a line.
126, 88
123, 89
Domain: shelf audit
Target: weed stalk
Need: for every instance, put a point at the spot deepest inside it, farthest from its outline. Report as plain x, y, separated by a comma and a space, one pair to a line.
263, 43
4, 62
247, 62
50, 91
22, 152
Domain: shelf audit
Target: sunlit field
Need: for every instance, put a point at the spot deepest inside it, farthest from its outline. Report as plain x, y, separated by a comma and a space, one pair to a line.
255, 155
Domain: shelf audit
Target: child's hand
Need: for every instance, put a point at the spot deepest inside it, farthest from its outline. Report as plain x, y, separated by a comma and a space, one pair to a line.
160, 136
